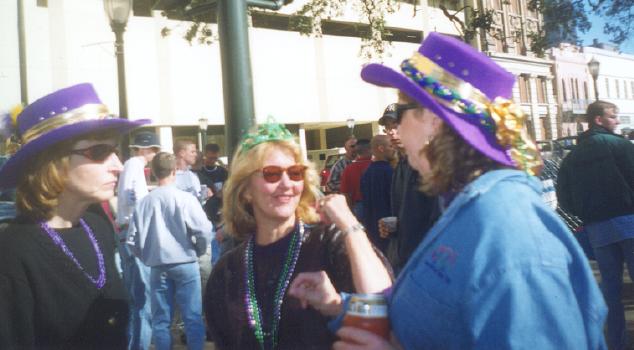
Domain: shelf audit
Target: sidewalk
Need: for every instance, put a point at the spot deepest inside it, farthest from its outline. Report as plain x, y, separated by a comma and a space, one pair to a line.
628, 298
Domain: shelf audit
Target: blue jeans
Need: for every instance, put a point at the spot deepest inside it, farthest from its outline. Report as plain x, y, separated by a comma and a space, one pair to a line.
215, 251
610, 259
136, 278
180, 282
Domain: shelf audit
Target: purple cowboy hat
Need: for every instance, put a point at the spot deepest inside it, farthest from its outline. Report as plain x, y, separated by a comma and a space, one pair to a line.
452, 73
59, 116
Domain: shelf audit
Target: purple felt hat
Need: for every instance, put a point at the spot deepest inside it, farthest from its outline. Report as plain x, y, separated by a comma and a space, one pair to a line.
59, 116
469, 91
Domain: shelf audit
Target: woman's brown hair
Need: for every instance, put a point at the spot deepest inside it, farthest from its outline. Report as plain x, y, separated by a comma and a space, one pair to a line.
454, 163
44, 178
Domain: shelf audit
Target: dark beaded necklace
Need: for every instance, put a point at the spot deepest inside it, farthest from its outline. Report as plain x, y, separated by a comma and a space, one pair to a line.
254, 312
54, 235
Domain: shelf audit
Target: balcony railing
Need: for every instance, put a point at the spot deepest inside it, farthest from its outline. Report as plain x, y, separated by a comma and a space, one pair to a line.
575, 106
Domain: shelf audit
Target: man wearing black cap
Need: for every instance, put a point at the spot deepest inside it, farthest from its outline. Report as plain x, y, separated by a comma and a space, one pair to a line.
416, 212
131, 189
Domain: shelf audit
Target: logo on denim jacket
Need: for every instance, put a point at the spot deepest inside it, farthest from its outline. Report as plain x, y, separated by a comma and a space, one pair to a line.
440, 261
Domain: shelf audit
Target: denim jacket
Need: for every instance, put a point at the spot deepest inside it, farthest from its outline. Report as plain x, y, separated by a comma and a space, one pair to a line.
499, 270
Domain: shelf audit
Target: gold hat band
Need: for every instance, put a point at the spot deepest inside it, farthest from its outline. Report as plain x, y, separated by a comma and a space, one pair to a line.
501, 117
80, 114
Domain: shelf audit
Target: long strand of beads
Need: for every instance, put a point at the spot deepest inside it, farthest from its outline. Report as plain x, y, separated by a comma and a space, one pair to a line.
54, 235
254, 312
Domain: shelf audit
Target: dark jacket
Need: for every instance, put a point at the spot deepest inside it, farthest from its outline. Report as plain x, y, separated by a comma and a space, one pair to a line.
46, 302
416, 214
596, 180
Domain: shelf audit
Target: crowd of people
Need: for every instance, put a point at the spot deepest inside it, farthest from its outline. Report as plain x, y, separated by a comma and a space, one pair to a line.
442, 215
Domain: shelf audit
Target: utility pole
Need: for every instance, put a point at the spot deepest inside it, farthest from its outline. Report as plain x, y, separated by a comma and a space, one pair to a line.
24, 96
233, 36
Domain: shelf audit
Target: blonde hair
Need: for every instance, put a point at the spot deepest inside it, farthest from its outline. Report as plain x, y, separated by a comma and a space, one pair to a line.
237, 212
44, 178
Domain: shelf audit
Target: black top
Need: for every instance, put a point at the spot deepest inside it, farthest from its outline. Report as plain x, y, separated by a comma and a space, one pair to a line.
416, 214
322, 249
46, 301
596, 180
209, 176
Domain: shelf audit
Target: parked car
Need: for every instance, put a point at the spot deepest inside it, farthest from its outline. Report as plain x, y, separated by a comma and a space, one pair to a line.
324, 174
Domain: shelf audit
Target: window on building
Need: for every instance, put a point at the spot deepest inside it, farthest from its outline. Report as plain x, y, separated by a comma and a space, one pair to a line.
607, 87
624, 89
545, 127
632, 89
42, 3
495, 4
515, 6
541, 90
618, 90
563, 90
524, 86
585, 90
497, 41
519, 48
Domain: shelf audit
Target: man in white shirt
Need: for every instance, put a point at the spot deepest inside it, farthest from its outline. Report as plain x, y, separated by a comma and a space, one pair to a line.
131, 189
186, 180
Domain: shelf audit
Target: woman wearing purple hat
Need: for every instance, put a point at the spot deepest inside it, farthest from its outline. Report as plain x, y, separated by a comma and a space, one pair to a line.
59, 288
499, 269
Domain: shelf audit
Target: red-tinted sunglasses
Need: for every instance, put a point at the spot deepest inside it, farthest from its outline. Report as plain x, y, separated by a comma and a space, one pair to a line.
273, 173
97, 153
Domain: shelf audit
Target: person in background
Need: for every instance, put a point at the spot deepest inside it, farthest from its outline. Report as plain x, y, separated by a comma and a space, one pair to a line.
186, 180
499, 269
213, 175
270, 200
131, 189
375, 186
351, 177
59, 287
169, 231
415, 211
334, 180
596, 183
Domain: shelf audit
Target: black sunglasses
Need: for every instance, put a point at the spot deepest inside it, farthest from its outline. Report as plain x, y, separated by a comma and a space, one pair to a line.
402, 107
97, 153
273, 173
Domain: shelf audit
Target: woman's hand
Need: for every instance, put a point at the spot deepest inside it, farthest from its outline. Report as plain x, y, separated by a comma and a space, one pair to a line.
351, 338
316, 290
335, 208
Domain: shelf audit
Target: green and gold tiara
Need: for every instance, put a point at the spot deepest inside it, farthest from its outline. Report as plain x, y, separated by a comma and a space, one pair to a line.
266, 132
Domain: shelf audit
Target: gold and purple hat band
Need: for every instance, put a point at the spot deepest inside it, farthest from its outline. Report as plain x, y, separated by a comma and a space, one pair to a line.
500, 118
84, 113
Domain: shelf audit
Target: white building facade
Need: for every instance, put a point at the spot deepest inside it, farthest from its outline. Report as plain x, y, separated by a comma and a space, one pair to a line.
615, 82
311, 83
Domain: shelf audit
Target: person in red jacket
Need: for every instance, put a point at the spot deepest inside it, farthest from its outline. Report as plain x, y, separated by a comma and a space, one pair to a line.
351, 177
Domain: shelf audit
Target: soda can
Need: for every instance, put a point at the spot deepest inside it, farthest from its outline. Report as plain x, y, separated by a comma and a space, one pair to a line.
368, 312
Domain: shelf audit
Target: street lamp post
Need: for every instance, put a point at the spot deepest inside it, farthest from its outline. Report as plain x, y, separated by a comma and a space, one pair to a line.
593, 66
118, 12
350, 124
202, 126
